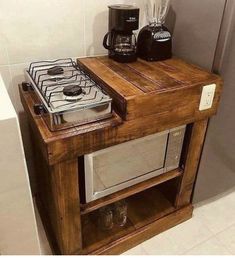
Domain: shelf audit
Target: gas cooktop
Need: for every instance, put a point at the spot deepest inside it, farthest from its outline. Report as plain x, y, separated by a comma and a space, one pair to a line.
68, 95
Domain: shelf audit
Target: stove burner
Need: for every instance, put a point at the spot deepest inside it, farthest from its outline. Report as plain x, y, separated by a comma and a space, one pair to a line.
56, 70
72, 91
63, 85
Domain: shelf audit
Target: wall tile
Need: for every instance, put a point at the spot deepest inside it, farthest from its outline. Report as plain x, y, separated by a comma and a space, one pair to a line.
96, 25
3, 50
42, 29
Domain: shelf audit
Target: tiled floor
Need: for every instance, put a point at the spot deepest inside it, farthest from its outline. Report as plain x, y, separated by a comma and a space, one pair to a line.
211, 231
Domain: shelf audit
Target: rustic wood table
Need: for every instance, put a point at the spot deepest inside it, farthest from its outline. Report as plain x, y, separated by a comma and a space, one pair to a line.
147, 98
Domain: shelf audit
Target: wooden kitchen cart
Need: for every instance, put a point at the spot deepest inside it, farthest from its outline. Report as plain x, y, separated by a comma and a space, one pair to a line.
147, 98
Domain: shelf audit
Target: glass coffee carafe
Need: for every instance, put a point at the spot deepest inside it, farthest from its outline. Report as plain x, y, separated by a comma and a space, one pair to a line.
122, 46
154, 40
124, 43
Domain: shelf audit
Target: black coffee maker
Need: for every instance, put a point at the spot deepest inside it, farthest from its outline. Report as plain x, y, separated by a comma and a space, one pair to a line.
120, 40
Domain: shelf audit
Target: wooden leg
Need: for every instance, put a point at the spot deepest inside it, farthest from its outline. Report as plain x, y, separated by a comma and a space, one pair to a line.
65, 198
191, 164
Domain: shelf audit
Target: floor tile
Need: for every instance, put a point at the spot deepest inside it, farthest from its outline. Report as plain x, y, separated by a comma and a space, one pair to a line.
210, 247
178, 239
160, 245
218, 214
138, 250
193, 237
227, 238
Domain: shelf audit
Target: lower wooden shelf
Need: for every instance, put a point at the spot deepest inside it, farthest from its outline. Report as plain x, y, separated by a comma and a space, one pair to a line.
132, 190
143, 209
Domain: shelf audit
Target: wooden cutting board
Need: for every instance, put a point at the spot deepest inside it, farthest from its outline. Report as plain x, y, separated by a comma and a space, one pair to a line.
144, 88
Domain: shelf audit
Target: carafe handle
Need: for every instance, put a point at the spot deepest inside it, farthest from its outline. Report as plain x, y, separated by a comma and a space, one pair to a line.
105, 41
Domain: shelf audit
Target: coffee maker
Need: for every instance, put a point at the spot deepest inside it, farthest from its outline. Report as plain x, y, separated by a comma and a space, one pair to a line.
120, 40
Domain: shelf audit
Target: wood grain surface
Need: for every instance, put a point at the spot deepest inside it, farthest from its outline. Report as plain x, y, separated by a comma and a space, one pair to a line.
151, 87
147, 98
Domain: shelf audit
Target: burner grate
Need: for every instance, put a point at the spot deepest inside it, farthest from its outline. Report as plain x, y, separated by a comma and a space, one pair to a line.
65, 73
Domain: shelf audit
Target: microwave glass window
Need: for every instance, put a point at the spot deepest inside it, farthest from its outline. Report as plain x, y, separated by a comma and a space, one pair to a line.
127, 161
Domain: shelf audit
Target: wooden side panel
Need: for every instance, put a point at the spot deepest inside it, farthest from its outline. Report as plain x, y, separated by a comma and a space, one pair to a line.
192, 161
65, 196
58, 201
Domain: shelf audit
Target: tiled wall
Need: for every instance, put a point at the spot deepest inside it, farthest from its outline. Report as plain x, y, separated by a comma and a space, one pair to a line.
32, 30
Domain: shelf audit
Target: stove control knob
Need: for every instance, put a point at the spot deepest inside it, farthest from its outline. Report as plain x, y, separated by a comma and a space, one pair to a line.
38, 109
26, 86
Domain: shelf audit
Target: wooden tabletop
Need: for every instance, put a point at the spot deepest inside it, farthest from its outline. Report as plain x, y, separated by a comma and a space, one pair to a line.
142, 77
147, 98
142, 88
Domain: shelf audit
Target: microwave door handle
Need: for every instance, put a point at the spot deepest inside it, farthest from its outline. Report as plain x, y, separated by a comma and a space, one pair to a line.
89, 177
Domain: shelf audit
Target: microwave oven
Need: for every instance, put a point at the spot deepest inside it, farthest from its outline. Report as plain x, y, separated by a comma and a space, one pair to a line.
115, 168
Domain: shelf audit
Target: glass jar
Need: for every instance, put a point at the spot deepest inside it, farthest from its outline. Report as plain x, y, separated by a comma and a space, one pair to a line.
106, 218
120, 213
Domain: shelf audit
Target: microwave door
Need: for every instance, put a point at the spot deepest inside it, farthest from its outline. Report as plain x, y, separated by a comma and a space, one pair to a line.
124, 165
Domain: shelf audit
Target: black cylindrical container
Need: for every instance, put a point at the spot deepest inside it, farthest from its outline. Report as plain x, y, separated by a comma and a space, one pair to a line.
154, 43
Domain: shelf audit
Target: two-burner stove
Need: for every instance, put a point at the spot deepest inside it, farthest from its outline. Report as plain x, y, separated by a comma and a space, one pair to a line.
68, 95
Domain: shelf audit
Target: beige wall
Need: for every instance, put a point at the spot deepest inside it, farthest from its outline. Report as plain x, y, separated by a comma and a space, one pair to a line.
32, 30
196, 25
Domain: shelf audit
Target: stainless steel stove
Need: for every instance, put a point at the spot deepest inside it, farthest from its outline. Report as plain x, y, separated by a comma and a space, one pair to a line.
68, 95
